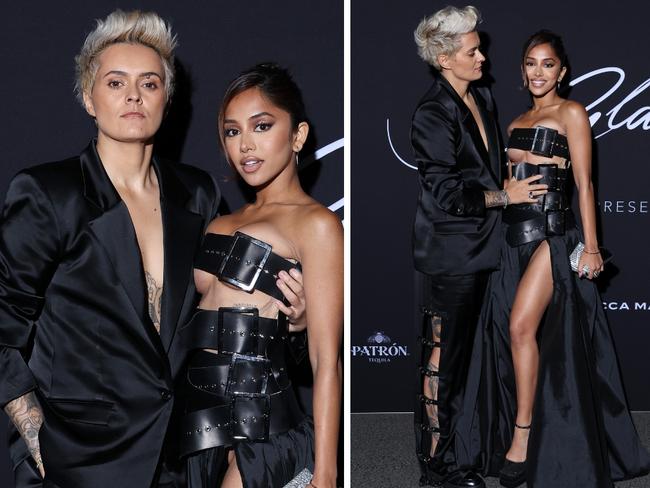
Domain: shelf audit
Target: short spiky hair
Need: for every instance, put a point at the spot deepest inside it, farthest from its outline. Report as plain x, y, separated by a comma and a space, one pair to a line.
440, 33
135, 27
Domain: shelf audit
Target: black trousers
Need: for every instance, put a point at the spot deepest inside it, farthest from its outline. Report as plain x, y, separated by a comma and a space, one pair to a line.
453, 304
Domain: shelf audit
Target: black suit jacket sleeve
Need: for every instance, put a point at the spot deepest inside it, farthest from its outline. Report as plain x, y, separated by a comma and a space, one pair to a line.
29, 245
434, 143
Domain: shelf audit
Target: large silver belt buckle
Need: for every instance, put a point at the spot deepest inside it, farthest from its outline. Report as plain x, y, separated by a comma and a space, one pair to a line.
250, 405
235, 281
543, 141
248, 375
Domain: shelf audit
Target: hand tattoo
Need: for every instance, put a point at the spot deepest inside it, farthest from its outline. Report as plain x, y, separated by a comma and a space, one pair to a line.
27, 416
154, 297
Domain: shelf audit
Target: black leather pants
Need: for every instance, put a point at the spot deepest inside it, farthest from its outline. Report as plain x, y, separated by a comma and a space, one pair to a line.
452, 305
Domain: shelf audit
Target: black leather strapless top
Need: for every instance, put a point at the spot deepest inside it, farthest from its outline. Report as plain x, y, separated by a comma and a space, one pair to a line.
243, 261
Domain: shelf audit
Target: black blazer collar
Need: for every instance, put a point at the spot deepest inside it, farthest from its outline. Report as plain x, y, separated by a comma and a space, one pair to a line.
113, 226
99, 189
490, 155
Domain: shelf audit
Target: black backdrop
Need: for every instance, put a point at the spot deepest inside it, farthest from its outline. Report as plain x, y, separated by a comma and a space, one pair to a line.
41, 120
388, 79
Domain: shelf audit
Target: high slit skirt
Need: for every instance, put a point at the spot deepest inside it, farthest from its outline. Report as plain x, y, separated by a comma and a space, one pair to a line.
582, 434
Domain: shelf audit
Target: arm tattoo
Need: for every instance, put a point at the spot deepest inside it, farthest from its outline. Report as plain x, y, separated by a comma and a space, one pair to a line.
496, 198
154, 297
27, 416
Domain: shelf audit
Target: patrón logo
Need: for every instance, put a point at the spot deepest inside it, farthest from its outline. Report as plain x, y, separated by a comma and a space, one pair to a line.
380, 348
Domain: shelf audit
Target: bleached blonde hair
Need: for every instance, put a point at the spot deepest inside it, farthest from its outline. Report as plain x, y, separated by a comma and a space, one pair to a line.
134, 27
440, 33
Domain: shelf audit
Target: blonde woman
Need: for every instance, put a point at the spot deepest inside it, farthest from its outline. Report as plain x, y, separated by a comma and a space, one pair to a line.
456, 234
97, 255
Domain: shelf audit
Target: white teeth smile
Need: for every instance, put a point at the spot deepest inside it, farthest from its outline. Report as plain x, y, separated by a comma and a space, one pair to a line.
251, 163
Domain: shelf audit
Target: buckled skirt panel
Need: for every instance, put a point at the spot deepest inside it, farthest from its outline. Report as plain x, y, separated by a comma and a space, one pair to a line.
549, 217
243, 391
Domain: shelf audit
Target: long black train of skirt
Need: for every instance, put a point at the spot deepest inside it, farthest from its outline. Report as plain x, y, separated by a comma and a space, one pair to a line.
456, 300
269, 464
582, 433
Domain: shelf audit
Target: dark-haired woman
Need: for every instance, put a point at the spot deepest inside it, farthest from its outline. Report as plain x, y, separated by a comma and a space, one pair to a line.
243, 426
556, 416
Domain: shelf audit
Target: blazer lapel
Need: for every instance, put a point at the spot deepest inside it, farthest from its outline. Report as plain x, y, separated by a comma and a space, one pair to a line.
492, 133
182, 231
468, 120
114, 229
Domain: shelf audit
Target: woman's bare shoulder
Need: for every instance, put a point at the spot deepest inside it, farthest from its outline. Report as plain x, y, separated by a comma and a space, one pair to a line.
317, 224
570, 109
573, 115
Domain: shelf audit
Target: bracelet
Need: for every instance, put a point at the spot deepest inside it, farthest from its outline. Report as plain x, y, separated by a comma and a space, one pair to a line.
39, 463
506, 199
589, 252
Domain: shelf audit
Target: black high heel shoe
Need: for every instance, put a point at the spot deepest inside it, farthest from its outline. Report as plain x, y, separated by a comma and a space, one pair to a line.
513, 474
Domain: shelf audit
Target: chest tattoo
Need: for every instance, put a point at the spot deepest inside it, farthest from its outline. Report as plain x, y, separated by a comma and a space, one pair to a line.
154, 298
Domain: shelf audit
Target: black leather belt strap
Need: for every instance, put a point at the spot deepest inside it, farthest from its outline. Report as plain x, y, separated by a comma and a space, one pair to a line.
552, 176
242, 374
542, 141
234, 330
243, 261
246, 417
534, 222
552, 223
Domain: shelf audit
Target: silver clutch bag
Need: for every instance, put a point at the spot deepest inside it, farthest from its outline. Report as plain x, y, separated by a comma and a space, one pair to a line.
301, 480
574, 257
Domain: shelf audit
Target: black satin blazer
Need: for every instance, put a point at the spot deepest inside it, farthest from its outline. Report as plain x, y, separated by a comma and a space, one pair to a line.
74, 321
454, 233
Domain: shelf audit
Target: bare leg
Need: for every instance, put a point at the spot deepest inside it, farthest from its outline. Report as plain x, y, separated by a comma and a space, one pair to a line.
232, 478
430, 387
533, 296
